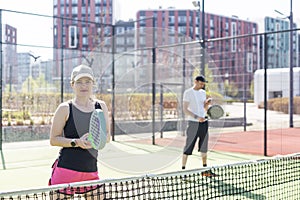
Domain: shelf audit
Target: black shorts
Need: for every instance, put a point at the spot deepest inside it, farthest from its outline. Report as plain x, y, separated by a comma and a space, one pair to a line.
194, 131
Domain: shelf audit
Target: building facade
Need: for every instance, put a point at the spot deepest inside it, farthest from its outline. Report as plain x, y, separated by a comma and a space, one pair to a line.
10, 78
236, 57
24, 70
79, 28
278, 51
278, 84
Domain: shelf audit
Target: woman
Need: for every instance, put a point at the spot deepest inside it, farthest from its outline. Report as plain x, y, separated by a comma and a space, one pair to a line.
77, 160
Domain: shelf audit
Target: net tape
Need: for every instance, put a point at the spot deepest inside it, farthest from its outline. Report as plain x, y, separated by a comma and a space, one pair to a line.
273, 178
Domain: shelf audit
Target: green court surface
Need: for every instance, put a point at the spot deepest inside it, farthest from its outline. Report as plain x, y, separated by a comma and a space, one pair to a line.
28, 164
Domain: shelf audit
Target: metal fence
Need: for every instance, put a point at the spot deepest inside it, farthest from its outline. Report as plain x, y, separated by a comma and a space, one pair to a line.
155, 64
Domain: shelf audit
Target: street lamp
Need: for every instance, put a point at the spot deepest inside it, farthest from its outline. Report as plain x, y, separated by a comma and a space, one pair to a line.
197, 4
202, 40
89, 62
29, 84
291, 103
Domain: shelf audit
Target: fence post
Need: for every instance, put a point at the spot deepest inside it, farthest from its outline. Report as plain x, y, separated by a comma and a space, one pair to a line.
1, 67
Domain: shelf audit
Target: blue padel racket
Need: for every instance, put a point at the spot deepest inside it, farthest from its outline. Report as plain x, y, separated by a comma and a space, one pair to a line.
215, 112
97, 130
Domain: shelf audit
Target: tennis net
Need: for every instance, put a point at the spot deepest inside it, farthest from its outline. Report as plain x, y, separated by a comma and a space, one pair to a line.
272, 178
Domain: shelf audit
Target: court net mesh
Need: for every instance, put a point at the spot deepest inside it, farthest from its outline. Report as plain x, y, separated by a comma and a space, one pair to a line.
274, 178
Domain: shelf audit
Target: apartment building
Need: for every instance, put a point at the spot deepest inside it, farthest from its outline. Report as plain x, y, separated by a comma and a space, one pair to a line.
80, 26
235, 57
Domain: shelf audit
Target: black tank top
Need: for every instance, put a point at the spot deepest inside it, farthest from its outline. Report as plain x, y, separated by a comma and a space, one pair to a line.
78, 159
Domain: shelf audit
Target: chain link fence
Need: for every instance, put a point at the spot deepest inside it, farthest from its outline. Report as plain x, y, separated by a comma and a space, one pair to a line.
141, 73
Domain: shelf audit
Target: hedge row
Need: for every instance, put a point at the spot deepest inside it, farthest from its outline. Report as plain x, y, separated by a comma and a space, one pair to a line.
282, 105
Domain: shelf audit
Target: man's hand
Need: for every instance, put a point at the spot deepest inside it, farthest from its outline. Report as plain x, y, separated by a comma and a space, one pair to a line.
207, 103
202, 119
208, 100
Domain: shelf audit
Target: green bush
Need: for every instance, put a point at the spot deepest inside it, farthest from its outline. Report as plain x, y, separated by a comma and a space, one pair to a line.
16, 115
138, 106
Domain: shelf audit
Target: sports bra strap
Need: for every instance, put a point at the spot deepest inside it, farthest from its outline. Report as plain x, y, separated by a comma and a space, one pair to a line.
97, 105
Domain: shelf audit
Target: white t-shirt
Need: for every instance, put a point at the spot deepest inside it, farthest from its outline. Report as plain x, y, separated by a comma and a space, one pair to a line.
196, 99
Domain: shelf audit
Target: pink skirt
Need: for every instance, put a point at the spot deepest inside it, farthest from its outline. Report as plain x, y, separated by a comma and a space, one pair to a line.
65, 176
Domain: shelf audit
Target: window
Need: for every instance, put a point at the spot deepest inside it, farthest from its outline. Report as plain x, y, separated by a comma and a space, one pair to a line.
120, 30
211, 23
254, 38
55, 11
85, 30
171, 19
142, 41
130, 41
277, 36
212, 33
83, 10
120, 40
84, 40
62, 11
74, 10
182, 29
72, 36
233, 34
97, 19
182, 19
97, 10
249, 62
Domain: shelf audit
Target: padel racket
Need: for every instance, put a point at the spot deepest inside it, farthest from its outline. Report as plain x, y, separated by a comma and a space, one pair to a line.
215, 112
97, 129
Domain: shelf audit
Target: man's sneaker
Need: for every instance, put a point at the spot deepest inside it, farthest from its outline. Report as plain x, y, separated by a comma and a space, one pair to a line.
209, 173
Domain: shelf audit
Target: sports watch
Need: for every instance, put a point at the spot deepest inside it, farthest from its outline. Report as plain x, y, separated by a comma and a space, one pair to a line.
73, 143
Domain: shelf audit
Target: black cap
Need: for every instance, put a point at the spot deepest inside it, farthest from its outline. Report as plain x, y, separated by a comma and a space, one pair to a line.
200, 78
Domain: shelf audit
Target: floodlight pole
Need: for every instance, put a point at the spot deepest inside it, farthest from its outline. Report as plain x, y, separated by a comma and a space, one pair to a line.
291, 95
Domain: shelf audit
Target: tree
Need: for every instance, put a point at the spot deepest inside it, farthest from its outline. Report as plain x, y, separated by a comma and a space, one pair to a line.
40, 84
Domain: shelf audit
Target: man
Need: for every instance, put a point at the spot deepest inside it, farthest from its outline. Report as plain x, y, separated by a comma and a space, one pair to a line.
195, 104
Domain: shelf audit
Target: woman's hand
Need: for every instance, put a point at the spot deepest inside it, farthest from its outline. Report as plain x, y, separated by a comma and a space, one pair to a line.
83, 143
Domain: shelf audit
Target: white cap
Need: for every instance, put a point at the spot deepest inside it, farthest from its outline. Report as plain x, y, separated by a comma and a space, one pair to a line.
82, 71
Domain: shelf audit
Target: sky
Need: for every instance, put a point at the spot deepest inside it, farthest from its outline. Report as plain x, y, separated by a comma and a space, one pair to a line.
252, 10
244, 9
